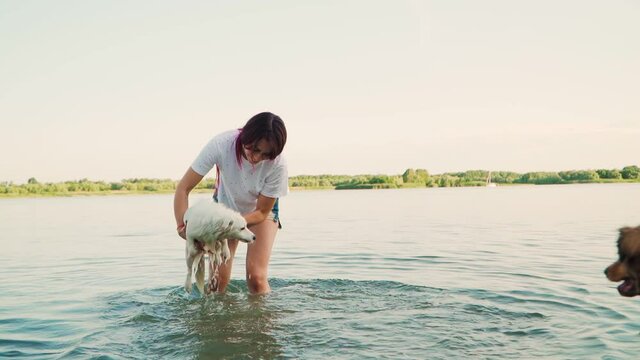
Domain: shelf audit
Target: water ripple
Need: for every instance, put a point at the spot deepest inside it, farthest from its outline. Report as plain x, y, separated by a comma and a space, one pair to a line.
308, 318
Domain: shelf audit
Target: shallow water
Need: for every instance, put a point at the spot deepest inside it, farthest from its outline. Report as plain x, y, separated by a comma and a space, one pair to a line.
507, 272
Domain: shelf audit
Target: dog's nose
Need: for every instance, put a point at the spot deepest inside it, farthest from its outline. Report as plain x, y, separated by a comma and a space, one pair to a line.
605, 270
254, 238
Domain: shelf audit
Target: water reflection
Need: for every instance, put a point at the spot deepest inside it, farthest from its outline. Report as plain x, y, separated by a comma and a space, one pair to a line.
168, 322
235, 325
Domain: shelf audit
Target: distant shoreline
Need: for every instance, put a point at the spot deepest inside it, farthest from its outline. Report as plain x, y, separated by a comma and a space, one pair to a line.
410, 179
95, 193
295, 189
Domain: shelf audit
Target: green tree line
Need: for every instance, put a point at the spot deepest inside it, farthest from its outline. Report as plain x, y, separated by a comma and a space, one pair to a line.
421, 178
85, 186
411, 178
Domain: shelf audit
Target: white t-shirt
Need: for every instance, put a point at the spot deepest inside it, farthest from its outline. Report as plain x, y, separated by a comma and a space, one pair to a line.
241, 184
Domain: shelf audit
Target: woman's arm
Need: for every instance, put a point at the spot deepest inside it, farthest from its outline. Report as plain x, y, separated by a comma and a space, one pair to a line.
181, 198
263, 208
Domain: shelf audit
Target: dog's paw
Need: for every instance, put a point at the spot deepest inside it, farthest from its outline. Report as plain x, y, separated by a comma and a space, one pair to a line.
217, 260
187, 283
200, 285
212, 286
226, 254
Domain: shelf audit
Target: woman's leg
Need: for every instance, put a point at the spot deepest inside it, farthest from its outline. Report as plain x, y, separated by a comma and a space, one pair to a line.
258, 255
224, 271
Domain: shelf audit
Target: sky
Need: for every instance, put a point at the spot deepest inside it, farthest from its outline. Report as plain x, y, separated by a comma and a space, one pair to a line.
109, 90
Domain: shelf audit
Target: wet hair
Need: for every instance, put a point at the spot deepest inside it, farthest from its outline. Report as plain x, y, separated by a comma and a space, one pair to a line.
267, 126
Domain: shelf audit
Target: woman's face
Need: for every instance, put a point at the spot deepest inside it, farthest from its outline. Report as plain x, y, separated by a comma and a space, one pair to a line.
257, 152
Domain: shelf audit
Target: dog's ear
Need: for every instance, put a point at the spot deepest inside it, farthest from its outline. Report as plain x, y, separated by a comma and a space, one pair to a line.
240, 220
220, 228
625, 230
629, 241
224, 227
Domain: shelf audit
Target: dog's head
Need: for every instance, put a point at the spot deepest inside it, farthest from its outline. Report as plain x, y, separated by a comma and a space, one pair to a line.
235, 227
627, 268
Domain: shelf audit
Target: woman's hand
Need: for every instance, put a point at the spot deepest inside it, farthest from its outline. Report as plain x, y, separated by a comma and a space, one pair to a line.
181, 198
182, 231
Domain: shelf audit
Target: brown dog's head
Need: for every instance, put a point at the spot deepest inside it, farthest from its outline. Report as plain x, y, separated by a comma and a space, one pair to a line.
627, 268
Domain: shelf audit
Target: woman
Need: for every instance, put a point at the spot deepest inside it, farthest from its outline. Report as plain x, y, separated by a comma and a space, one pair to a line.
251, 176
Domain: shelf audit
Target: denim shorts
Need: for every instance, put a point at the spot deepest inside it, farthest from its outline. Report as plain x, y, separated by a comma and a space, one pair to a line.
273, 216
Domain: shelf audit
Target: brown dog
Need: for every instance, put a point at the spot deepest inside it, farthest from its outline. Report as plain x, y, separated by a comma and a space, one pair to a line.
627, 268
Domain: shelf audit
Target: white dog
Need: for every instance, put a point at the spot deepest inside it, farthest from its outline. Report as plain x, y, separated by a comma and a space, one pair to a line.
211, 224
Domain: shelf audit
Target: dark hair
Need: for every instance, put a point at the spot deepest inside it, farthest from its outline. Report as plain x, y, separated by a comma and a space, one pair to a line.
267, 126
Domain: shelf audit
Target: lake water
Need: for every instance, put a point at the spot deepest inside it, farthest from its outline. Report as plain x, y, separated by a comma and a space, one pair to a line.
506, 272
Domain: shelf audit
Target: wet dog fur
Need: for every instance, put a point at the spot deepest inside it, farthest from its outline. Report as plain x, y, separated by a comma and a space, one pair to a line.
627, 268
208, 227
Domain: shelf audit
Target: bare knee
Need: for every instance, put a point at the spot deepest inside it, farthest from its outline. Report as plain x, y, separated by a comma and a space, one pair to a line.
258, 283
